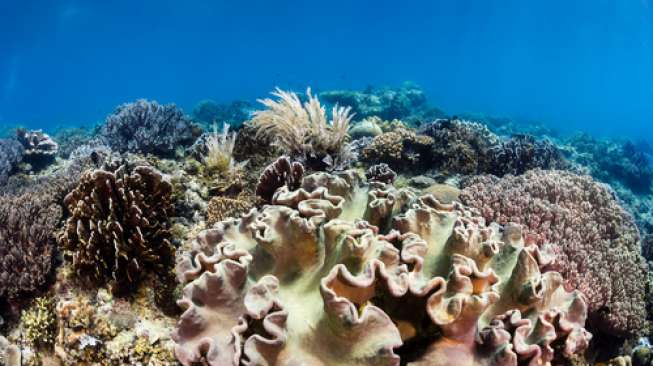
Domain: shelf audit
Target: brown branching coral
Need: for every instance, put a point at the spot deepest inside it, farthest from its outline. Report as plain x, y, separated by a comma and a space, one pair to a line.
339, 273
598, 241
401, 149
119, 225
303, 131
27, 244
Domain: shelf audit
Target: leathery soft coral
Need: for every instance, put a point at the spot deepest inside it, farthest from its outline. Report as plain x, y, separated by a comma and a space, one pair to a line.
598, 242
339, 272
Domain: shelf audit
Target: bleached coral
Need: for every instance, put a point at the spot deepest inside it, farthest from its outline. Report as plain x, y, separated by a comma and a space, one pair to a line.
342, 273
302, 130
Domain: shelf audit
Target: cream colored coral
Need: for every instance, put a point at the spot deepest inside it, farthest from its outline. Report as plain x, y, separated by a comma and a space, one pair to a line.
340, 273
220, 148
302, 128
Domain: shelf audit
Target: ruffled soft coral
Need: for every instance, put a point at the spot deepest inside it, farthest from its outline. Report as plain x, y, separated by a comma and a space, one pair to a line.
333, 273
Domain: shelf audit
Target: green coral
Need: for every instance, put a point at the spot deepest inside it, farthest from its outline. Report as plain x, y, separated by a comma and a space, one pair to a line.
39, 322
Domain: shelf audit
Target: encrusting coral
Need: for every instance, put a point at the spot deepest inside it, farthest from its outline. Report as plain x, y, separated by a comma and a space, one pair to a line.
220, 152
339, 272
40, 149
597, 241
303, 131
118, 227
459, 146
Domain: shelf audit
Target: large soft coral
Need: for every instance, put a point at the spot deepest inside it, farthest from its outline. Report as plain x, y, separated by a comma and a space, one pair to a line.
334, 274
598, 241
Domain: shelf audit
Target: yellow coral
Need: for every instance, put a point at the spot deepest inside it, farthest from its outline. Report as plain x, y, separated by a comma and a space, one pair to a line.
40, 322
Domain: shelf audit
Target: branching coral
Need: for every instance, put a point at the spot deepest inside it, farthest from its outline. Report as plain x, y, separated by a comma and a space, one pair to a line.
317, 278
11, 154
303, 131
27, 245
459, 146
119, 225
521, 153
220, 208
147, 127
40, 322
598, 241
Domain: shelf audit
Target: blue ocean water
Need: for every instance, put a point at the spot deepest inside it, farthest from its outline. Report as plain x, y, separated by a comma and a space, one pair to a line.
574, 65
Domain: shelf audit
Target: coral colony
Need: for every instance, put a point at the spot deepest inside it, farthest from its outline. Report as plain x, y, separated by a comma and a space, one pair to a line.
381, 233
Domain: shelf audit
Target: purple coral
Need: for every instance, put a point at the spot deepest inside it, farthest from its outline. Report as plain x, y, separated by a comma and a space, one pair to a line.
11, 154
521, 153
27, 244
147, 127
598, 241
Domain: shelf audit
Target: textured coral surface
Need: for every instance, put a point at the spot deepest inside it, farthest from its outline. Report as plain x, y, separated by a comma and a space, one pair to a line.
338, 273
596, 238
119, 225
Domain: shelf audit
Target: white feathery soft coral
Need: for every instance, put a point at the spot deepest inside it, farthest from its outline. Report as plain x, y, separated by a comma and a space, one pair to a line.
303, 129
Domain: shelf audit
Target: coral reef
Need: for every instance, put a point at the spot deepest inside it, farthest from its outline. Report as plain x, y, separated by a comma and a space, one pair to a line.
303, 131
118, 227
380, 173
221, 208
459, 146
521, 153
11, 154
369, 127
316, 278
281, 173
70, 139
208, 112
100, 330
611, 161
407, 103
39, 149
598, 242
147, 127
40, 322
401, 149
27, 244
